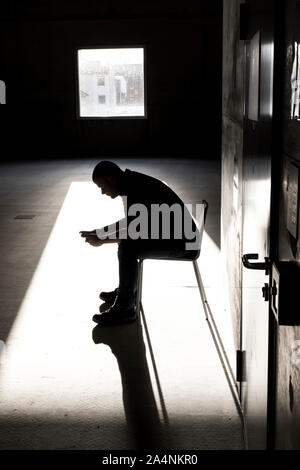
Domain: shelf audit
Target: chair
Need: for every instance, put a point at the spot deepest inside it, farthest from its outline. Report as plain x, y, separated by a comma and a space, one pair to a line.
190, 256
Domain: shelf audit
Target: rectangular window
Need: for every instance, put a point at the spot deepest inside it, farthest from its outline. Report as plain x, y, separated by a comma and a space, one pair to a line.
101, 99
111, 82
101, 81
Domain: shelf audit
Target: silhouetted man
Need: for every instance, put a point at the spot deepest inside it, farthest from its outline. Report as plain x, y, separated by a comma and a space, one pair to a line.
157, 232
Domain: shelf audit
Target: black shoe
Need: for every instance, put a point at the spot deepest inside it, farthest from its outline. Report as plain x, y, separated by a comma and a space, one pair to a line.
109, 297
116, 315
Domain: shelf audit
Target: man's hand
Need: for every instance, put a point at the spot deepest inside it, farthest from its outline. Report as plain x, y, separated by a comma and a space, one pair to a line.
93, 240
91, 237
85, 233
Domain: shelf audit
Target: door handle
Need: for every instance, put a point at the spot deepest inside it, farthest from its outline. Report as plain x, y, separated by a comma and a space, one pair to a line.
262, 266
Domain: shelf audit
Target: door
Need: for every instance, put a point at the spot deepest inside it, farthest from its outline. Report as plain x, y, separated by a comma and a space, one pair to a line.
257, 156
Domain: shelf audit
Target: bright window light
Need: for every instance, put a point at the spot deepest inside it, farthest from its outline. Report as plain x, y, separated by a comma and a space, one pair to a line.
111, 82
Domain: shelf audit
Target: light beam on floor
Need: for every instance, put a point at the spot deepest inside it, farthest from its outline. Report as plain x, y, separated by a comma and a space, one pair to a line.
53, 368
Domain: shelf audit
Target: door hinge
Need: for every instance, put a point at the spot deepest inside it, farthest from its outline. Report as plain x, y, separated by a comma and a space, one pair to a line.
240, 366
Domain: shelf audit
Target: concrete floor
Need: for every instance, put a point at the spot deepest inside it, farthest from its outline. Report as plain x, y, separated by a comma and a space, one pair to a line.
68, 384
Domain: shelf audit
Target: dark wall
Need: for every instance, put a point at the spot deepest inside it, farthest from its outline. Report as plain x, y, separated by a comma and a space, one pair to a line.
232, 159
284, 247
183, 58
288, 367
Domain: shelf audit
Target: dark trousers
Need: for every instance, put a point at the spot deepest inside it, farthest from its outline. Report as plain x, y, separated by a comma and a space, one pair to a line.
130, 251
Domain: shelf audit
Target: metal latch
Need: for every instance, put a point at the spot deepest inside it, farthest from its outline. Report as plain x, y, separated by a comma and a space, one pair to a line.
266, 266
269, 291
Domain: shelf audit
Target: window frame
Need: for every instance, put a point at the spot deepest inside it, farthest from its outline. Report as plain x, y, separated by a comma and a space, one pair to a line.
106, 46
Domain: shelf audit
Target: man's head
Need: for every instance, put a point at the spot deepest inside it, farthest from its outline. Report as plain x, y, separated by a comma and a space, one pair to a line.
108, 176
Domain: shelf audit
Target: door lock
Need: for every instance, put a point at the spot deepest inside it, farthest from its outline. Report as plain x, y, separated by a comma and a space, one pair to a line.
269, 291
266, 292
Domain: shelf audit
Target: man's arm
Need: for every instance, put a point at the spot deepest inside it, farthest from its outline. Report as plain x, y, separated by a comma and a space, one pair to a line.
112, 233
92, 239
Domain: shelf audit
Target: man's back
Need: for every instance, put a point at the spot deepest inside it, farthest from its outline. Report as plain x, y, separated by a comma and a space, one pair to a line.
143, 189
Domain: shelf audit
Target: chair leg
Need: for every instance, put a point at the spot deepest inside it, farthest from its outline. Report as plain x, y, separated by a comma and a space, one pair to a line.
139, 287
201, 287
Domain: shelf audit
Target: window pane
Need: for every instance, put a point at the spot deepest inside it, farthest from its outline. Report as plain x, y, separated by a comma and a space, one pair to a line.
111, 82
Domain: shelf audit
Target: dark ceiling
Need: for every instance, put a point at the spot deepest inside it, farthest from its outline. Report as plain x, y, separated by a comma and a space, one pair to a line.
71, 9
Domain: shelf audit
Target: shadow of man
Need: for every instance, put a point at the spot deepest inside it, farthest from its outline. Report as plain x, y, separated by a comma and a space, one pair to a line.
127, 344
